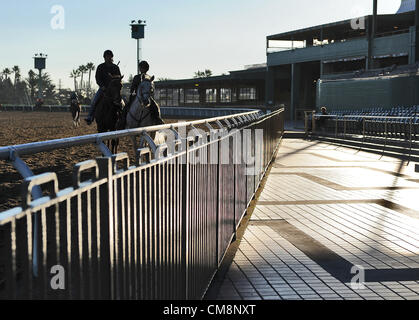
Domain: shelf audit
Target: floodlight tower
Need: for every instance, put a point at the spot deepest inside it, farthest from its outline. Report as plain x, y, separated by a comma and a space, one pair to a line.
40, 64
137, 32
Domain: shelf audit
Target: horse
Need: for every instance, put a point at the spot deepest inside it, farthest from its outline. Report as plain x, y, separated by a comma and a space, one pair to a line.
109, 109
75, 112
144, 111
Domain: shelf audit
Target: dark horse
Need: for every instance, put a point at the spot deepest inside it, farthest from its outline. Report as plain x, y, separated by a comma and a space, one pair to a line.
109, 109
75, 112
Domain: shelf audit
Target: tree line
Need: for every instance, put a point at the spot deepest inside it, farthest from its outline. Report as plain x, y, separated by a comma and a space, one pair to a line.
83, 88
17, 89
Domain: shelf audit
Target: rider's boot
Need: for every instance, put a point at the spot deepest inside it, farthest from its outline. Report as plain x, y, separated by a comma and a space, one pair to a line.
93, 105
91, 116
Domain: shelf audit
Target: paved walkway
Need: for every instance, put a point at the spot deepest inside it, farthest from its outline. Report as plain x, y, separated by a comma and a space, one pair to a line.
326, 211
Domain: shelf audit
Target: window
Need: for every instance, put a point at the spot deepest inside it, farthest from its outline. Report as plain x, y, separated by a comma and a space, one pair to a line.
234, 95
211, 95
247, 94
169, 97
161, 95
192, 96
175, 98
181, 96
225, 95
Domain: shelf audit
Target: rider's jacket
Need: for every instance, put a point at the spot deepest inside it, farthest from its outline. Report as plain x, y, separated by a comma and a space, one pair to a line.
136, 82
102, 74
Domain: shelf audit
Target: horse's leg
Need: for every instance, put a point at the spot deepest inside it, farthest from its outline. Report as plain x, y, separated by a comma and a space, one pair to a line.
78, 118
115, 143
134, 144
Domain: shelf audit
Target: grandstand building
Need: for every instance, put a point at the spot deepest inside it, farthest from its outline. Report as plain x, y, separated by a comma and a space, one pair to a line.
350, 64
238, 88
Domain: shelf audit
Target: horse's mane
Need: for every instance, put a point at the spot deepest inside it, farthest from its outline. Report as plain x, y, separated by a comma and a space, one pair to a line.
146, 77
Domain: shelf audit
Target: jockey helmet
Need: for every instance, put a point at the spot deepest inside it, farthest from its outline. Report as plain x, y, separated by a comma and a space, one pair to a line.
108, 53
144, 65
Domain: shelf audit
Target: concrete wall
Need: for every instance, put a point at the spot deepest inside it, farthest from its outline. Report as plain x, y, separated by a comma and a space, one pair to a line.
383, 92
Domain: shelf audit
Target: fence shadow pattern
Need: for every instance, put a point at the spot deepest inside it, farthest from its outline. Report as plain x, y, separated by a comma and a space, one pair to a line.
158, 229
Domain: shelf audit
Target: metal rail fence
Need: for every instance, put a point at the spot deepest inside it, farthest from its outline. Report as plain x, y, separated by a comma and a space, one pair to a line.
167, 111
50, 108
403, 127
392, 133
157, 229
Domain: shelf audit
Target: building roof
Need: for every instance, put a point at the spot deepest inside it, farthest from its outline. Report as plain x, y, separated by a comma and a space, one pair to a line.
406, 6
247, 74
342, 29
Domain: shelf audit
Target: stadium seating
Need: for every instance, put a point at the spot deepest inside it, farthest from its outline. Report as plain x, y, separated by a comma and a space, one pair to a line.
396, 123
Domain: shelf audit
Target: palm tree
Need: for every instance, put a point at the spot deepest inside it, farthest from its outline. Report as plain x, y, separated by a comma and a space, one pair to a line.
79, 84
203, 74
6, 73
16, 71
90, 67
32, 82
74, 75
82, 69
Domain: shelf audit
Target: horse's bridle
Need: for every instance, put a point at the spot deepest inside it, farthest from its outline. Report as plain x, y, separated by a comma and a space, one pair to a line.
114, 103
135, 118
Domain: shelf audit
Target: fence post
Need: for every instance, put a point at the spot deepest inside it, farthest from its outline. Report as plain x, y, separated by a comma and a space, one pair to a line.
313, 122
410, 138
363, 130
385, 141
185, 217
344, 127
106, 229
336, 129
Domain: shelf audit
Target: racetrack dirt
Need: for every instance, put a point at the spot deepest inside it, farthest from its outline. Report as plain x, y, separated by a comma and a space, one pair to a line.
26, 127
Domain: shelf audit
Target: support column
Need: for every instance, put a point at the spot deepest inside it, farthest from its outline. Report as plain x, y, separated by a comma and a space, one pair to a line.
413, 47
40, 84
270, 87
416, 31
372, 28
295, 88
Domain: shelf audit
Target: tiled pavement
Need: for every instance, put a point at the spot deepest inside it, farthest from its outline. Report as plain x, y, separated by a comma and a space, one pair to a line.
322, 211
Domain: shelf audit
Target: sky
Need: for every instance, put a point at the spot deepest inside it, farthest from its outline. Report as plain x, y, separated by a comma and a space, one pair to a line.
181, 37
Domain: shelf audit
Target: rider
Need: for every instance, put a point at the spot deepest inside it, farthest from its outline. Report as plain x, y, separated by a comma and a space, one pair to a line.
104, 73
144, 67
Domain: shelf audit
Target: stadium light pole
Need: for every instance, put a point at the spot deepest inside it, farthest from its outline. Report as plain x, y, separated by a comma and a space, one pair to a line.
137, 33
40, 64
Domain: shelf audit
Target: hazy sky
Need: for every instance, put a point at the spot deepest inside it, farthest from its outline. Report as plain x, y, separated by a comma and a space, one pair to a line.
182, 36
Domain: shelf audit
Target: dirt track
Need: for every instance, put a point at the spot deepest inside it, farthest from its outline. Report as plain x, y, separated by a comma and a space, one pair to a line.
26, 127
